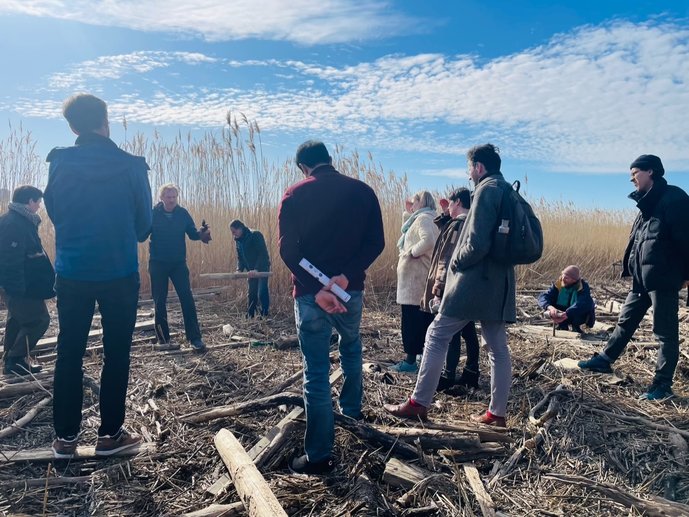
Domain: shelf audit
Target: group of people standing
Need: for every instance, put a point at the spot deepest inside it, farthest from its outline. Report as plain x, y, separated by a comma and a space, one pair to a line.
447, 279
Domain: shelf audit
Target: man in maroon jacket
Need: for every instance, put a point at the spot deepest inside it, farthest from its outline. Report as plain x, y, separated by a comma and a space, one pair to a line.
334, 222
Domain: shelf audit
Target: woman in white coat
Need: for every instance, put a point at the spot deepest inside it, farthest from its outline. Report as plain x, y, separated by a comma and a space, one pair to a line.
419, 234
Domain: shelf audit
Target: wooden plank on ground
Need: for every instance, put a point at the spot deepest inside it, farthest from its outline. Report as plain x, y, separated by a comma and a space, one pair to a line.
83, 453
484, 500
399, 474
235, 276
219, 510
255, 493
51, 342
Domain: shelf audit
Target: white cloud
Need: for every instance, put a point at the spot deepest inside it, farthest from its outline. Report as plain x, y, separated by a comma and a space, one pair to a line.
587, 101
301, 21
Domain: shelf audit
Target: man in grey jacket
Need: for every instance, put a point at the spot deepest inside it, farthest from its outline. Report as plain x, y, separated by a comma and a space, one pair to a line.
477, 288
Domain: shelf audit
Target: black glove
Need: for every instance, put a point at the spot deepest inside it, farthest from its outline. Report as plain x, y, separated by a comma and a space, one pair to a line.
205, 232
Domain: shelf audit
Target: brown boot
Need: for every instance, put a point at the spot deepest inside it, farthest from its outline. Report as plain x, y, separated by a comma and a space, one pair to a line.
407, 410
489, 418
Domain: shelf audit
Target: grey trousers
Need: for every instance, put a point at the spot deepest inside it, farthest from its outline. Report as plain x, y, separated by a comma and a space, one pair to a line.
438, 336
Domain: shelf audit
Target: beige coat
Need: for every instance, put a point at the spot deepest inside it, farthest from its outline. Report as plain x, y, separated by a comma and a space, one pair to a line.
412, 270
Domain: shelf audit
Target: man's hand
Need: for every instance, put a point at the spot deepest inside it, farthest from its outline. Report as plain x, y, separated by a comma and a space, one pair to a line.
553, 312
205, 232
252, 273
340, 280
329, 302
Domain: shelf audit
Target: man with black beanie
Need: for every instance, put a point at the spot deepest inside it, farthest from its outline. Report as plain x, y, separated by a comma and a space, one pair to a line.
657, 260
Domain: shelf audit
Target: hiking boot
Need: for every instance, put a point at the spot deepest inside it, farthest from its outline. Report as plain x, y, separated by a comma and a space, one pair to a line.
198, 345
489, 418
120, 441
302, 465
20, 367
468, 379
445, 382
405, 367
408, 409
597, 363
63, 448
657, 392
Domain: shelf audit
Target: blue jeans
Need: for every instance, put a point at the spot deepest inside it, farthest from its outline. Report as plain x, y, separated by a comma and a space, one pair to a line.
258, 290
314, 327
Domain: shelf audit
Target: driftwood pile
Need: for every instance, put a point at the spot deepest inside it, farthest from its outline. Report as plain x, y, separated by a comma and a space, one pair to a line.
220, 427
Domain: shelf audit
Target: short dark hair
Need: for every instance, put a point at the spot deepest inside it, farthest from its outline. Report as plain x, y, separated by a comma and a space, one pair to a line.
312, 152
85, 112
487, 154
237, 224
463, 195
26, 193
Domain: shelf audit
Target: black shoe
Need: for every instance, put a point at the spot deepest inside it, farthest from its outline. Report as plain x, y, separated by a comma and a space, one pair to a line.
198, 345
301, 465
21, 367
597, 363
445, 382
468, 379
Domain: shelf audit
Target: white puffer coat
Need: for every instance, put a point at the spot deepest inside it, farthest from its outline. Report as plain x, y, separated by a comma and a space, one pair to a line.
412, 270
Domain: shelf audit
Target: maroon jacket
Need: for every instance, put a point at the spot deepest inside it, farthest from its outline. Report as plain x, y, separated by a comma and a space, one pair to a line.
333, 221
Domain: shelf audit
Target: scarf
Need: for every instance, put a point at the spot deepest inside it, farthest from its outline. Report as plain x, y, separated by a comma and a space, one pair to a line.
407, 224
24, 211
567, 296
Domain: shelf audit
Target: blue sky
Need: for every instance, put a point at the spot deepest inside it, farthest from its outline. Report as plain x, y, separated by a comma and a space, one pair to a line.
571, 92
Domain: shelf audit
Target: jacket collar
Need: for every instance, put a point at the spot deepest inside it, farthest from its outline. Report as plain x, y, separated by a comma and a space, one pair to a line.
94, 139
646, 202
323, 169
496, 174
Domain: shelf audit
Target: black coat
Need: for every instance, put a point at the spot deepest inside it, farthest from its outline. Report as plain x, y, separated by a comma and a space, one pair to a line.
252, 252
25, 269
657, 255
168, 242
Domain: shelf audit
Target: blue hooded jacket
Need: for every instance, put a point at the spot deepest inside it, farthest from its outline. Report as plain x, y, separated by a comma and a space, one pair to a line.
99, 199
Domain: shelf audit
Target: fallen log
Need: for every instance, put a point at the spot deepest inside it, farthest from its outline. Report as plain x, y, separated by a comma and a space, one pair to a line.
399, 474
485, 433
218, 510
16, 427
290, 381
377, 438
278, 399
643, 421
486, 450
83, 453
484, 500
252, 489
235, 276
47, 482
24, 388
656, 507
432, 438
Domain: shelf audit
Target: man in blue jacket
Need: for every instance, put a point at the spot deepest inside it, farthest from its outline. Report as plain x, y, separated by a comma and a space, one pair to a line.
252, 256
99, 199
568, 302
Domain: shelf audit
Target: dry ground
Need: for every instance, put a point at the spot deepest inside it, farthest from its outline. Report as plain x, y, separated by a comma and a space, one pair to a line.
631, 455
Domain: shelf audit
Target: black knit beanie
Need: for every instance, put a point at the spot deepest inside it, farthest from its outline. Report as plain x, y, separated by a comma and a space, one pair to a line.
647, 162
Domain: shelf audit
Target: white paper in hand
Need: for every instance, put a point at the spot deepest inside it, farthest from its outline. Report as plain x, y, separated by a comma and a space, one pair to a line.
323, 279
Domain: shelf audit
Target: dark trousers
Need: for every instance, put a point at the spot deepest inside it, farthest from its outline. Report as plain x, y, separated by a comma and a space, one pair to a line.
27, 321
258, 290
117, 301
455, 349
665, 329
178, 272
415, 322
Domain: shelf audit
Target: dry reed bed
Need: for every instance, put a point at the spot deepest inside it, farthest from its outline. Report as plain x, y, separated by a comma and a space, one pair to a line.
173, 479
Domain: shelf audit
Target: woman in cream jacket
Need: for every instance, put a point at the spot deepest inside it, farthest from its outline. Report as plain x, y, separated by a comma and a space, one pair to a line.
419, 234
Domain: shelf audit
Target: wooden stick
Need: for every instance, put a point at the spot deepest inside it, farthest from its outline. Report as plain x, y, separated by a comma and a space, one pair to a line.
242, 407
235, 276
433, 438
50, 482
83, 453
656, 507
643, 421
51, 342
24, 388
14, 428
218, 510
484, 500
252, 489
485, 433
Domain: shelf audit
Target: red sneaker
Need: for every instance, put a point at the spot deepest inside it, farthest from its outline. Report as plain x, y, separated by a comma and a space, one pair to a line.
489, 418
408, 409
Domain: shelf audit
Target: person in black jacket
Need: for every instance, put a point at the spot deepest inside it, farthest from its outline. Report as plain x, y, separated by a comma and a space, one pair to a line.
168, 261
26, 279
568, 302
252, 256
657, 260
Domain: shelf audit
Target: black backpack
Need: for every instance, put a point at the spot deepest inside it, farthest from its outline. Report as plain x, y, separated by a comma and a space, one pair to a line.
518, 237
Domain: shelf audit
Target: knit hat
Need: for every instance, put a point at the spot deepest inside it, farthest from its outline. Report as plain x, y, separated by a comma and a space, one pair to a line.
649, 162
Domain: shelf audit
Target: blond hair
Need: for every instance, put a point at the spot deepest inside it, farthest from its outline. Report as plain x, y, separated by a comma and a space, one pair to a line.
425, 198
167, 186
